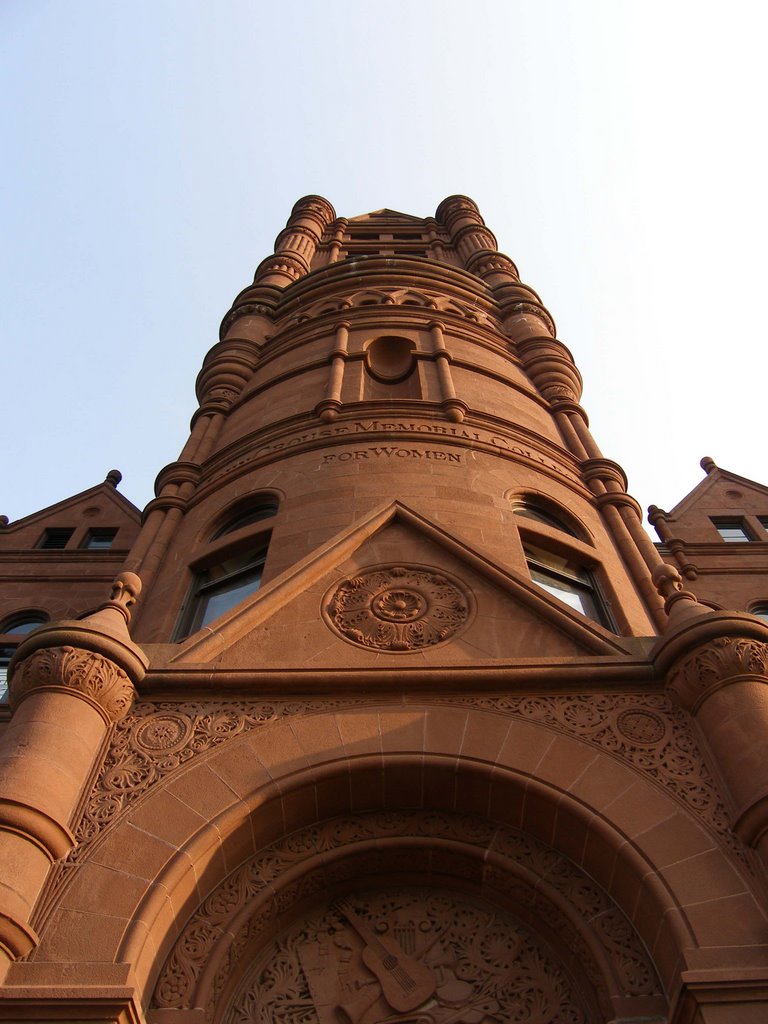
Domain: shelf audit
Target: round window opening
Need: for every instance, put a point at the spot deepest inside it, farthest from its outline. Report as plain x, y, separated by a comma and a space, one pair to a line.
390, 358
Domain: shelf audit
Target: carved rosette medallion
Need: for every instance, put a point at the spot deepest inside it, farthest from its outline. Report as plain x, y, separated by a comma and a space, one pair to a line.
641, 727
398, 609
416, 955
85, 673
165, 733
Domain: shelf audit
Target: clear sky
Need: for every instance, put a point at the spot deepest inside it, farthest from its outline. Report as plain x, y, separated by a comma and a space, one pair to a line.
153, 150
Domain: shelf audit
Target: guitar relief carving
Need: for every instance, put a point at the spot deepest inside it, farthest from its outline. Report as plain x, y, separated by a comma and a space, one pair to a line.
466, 963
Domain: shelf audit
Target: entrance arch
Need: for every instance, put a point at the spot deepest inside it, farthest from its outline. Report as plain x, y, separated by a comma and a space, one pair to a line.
188, 837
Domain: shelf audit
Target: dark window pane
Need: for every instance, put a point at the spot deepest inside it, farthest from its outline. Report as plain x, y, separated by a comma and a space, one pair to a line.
55, 538
227, 595
542, 516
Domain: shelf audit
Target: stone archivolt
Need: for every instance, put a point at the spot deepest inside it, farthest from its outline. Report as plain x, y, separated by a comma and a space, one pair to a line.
554, 914
157, 739
645, 730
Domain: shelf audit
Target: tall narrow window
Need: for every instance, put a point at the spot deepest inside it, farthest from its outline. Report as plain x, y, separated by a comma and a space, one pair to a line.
223, 586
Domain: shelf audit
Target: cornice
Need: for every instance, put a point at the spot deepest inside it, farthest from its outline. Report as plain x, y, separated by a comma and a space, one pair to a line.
602, 673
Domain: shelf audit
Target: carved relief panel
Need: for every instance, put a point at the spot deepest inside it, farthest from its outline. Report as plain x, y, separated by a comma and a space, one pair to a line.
418, 955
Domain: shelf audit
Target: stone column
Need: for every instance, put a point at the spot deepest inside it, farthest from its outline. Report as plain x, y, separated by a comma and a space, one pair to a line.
69, 682
716, 668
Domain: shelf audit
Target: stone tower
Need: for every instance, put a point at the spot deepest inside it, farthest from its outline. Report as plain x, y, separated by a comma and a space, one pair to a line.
413, 724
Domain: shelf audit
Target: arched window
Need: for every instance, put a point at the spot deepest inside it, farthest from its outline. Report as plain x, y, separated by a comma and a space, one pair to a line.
12, 629
263, 509
541, 513
760, 609
229, 570
23, 622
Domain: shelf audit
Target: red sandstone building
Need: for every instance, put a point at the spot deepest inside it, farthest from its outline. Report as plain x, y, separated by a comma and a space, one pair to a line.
393, 714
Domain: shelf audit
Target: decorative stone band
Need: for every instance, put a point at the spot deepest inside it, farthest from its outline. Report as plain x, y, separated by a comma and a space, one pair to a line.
163, 504
606, 470
177, 473
282, 263
86, 674
249, 309
53, 838
711, 666
619, 498
550, 366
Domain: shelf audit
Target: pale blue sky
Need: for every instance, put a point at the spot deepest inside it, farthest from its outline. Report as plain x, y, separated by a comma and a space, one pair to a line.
153, 151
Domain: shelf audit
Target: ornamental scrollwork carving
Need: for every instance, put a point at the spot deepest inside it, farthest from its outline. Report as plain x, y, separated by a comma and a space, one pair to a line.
517, 861
156, 740
713, 665
398, 609
90, 675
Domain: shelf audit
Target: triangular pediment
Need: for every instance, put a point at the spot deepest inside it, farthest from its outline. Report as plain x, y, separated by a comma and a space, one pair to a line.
393, 592
713, 492
386, 214
104, 492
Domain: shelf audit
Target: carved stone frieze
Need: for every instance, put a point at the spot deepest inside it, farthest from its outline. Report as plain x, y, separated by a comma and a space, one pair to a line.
713, 665
456, 960
525, 870
645, 730
398, 608
90, 675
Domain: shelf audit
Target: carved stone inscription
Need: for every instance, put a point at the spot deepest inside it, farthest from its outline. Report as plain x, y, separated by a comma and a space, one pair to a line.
499, 442
398, 608
391, 453
416, 955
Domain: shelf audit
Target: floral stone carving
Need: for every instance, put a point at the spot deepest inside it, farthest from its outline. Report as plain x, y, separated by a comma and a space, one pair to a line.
90, 675
715, 664
398, 609
402, 955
